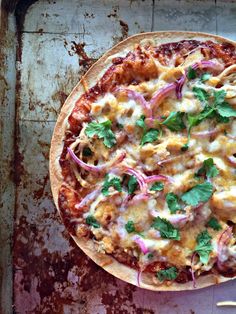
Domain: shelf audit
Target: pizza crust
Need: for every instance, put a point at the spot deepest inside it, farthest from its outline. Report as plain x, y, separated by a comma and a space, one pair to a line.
111, 265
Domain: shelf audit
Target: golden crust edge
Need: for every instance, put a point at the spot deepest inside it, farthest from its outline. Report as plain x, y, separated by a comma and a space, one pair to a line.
115, 268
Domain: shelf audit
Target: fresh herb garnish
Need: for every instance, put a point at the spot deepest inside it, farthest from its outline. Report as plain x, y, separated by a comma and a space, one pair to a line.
174, 121
90, 220
192, 74
199, 193
130, 226
200, 94
132, 184
141, 122
208, 169
204, 246
167, 230
113, 182
205, 77
167, 274
150, 136
173, 202
214, 224
87, 152
150, 256
102, 130
157, 186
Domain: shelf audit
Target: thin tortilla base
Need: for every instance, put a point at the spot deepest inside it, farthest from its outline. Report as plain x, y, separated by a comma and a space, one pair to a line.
111, 265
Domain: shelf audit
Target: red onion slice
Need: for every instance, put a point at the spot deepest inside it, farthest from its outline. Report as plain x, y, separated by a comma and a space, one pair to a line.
93, 168
131, 94
192, 271
205, 134
161, 94
232, 160
138, 198
179, 86
140, 179
223, 240
158, 177
206, 64
88, 199
141, 244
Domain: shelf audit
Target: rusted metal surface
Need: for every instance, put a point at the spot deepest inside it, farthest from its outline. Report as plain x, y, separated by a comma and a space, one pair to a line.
57, 41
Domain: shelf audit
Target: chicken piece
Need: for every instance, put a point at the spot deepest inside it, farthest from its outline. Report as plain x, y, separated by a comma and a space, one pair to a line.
105, 213
224, 204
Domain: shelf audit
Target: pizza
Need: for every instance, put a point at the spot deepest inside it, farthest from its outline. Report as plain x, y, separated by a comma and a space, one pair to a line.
143, 161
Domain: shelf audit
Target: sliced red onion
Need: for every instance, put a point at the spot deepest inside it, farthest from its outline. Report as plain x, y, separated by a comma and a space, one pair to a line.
141, 244
161, 94
178, 218
93, 168
157, 177
139, 277
138, 198
223, 240
206, 64
232, 160
138, 98
140, 179
88, 199
179, 86
205, 134
192, 271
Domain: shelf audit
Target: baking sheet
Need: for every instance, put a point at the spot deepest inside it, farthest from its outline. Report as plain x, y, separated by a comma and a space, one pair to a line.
46, 46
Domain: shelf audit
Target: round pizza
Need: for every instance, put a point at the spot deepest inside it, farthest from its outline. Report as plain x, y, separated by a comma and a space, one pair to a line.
143, 161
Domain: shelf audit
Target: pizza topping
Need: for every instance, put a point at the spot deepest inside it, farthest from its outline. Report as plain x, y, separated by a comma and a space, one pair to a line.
102, 130
111, 182
204, 246
197, 194
90, 220
149, 155
173, 202
208, 169
167, 230
214, 224
170, 273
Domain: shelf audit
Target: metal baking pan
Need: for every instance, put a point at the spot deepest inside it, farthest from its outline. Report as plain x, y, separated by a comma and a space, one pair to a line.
45, 47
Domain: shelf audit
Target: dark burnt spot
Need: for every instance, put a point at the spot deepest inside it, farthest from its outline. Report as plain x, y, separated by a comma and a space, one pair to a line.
18, 169
89, 15
124, 29
84, 60
113, 13
38, 194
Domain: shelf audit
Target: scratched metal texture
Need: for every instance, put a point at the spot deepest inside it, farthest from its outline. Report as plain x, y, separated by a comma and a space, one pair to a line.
54, 43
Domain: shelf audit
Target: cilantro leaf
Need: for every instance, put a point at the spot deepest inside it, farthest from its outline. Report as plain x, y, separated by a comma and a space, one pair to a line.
167, 230
199, 193
132, 184
113, 182
102, 130
90, 220
192, 74
208, 169
167, 274
214, 224
141, 122
200, 94
130, 226
172, 202
225, 110
174, 121
195, 119
205, 77
150, 256
204, 246
150, 136
219, 97
157, 186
